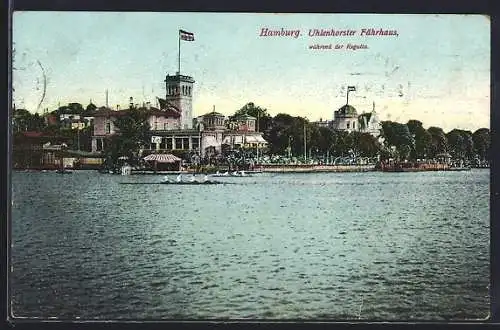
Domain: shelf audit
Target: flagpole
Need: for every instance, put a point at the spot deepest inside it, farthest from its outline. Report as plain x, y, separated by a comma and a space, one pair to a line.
179, 64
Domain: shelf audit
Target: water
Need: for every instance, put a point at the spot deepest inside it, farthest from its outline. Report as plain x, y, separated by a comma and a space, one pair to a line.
368, 246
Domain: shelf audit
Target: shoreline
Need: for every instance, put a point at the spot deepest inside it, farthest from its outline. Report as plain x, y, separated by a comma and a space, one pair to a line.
281, 169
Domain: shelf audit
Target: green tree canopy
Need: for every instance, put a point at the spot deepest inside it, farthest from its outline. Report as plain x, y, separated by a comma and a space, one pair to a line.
133, 133
481, 139
398, 135
439, 143
422, 137
264, 119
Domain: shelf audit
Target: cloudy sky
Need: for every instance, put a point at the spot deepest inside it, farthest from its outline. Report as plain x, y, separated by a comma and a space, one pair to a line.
436, 70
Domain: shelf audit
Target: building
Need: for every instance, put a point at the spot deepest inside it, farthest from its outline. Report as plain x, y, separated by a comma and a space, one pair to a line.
347, 119
179, 93
173, 128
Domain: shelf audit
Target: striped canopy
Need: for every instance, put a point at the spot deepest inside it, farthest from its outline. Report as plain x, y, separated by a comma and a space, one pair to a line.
162, 158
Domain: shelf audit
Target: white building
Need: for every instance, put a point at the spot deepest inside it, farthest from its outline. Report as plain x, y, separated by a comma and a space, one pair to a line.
172, 126
347, 119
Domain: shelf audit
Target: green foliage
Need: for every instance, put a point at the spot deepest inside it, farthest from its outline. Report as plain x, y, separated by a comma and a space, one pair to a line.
422, 137
261, 114
398, 136
133, 133
23, 120
439, 143
368, 145
481, 141
460, 144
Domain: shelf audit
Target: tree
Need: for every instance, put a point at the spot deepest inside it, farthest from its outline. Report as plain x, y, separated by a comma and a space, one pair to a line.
439, 143
90, 109
261, 114
398, 135
368, 145
279, 134
133, 133
481, 140
26, 121
460, 144
422, 137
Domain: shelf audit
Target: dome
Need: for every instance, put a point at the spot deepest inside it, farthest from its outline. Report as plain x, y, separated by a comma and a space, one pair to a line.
347, 110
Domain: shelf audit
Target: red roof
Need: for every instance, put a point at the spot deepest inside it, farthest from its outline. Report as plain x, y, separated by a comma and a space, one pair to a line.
169, 112
32, 134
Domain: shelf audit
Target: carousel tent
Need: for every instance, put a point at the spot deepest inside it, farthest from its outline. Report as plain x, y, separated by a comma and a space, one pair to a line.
163, 159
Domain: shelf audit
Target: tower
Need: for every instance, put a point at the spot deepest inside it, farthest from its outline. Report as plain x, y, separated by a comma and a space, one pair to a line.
179, 92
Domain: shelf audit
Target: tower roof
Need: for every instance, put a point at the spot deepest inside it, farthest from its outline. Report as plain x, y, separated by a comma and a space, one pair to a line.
213, 114
347, 110
178, 78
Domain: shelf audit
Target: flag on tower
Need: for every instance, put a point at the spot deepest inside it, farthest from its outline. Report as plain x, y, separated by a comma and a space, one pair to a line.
351, 88
186, 36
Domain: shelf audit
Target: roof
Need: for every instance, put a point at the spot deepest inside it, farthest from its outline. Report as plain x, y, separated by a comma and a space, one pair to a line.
166, 105
213, 114
347, 110
162, 158
169, 112
361, 119
32, 134
245, 116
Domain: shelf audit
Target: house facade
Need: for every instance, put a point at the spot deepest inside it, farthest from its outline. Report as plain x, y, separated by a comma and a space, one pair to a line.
346, 118
172, 126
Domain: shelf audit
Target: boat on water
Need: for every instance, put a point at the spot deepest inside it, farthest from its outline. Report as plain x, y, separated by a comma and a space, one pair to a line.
231, 174
188, 183
63, 171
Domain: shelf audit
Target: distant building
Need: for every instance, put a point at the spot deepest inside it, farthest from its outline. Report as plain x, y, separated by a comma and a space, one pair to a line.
347, 119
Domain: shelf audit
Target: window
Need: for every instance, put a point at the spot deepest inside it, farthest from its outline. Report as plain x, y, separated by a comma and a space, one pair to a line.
108, 128
348, 125
169, 143
195, 142
353, 125
178, 143
165, 126
163, 143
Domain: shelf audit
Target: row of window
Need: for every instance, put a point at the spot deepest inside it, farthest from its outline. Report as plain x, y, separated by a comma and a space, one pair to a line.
166, 127
180, 143
166, 143
174, 90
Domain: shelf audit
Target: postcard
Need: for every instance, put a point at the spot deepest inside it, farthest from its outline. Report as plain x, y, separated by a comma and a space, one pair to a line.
250, 166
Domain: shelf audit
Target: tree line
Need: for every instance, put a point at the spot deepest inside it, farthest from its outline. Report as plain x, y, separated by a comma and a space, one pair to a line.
285, 135
401, 141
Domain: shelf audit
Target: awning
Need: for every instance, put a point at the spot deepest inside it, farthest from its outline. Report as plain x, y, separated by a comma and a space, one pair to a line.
162, 158
260, 139
250, 139
238, 139
227, 140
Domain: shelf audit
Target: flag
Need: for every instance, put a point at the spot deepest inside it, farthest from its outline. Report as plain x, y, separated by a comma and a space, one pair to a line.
187, 36
351, 88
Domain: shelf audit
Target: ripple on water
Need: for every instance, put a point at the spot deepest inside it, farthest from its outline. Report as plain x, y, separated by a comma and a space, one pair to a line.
307, 254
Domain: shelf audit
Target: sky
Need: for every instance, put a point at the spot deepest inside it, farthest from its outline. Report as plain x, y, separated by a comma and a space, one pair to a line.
436, 68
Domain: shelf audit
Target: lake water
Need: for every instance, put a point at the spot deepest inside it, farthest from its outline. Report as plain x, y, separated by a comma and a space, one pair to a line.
337, 246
